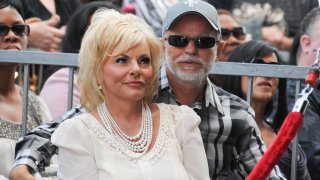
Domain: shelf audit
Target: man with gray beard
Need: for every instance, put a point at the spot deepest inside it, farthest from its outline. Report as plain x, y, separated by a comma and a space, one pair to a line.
191, 37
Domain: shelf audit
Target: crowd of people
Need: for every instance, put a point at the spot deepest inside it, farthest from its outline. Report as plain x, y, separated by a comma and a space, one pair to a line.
145, 104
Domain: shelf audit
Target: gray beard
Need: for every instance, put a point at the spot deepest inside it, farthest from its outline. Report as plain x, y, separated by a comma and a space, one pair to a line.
196, 79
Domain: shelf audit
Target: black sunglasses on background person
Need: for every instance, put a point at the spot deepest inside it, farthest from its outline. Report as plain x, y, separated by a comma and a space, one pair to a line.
237, 32
202, 42
18, 29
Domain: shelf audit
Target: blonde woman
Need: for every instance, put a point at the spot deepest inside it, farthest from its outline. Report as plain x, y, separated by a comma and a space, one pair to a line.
123, 135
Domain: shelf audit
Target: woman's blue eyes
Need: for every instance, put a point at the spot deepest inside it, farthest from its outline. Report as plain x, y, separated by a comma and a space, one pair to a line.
144, 60
121, 60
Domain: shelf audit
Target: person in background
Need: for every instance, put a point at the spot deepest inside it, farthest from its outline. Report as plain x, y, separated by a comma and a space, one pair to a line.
233, 34
13, 37
55, 89
191, 39
304, 53
221, 4
47, 20
153, 12
117, 3
273, 21
264, 91
122, 129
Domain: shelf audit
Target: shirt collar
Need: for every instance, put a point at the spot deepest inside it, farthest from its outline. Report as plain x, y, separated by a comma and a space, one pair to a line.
212, 96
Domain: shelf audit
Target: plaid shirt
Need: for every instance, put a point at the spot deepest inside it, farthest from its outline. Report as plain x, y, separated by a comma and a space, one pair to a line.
230, 135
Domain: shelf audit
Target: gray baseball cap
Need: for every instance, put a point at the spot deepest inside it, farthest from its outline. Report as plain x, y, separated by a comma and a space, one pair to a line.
184, 7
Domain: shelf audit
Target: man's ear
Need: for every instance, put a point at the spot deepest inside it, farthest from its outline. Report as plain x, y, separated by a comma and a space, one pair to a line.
305, 44
220, 47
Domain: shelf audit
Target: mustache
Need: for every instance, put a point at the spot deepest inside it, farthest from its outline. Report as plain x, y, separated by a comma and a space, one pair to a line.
190, 59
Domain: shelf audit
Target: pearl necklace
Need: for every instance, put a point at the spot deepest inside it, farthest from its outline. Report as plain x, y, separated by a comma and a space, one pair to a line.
132, 146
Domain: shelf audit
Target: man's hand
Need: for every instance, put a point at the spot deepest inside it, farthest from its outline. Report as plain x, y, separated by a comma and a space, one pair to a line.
21, 172
45, 35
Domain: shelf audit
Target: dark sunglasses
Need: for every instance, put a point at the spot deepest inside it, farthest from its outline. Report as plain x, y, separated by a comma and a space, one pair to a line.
257, 60
18, 29
238, 32
202, 42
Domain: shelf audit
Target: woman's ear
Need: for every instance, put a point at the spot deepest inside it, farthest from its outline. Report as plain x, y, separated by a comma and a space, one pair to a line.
98, 78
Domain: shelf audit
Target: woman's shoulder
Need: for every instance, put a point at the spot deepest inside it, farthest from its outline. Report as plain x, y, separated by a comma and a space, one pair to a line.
37, 108
81, 120
79, 124
72, 132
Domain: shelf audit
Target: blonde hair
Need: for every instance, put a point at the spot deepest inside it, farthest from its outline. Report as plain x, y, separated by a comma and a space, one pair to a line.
107, 30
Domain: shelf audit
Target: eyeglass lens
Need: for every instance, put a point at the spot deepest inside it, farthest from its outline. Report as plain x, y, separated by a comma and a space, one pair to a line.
238, 32
202, 42
19, 30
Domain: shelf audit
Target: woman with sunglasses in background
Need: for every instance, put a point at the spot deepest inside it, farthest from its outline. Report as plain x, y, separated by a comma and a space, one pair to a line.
13, 37
264, 91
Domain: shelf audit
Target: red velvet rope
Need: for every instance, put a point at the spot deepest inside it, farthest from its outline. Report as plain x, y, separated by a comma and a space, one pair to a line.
278, 147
